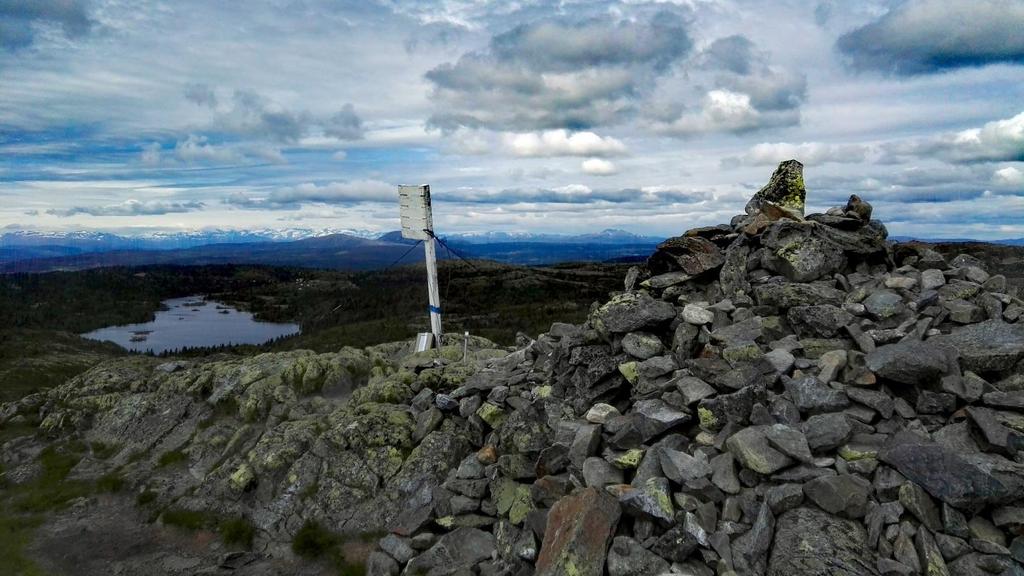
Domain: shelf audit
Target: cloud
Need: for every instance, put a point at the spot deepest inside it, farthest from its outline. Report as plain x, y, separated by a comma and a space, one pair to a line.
1009, 176
748, 93
151, 154
252, 115
598, 167
344, 124
996, 141
330, 193
563, 143
923, 36
727, 111
196, 149
555, 74
129, 208
576, 194
809, 153
201, 94
20, 20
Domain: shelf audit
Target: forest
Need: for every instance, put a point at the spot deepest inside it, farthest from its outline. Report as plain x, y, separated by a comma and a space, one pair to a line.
41, 314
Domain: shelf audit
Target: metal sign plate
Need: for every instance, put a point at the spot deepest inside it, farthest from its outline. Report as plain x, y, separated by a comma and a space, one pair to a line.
414, 208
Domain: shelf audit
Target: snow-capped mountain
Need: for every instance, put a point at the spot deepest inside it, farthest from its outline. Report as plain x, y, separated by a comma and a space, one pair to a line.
81, 241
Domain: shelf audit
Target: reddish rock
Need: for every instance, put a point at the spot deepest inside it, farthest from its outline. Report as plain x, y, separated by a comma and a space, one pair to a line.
580, 527
691, 254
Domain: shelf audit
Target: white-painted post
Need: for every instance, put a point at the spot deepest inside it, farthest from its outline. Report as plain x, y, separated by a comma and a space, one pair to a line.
433, 294
418, 224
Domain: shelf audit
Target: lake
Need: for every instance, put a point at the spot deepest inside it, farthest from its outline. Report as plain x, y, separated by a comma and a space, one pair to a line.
192, 321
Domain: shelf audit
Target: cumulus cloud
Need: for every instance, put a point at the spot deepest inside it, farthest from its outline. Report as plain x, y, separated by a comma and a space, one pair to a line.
558, 74
1009, 176
598, 167
727, 111
809, 153
130, 208
748, 93
999, 140
20, 20
921, 36
563, 143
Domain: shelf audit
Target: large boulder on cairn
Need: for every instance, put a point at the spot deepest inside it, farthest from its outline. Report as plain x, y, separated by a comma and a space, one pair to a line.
785, 190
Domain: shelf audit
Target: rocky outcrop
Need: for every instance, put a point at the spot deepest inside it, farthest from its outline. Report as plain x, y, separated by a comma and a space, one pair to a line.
783, 395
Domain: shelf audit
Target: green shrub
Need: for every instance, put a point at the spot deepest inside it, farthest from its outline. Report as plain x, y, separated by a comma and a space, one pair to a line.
238, 531
103, 451
187, 519
171, 458
314, 541
145, 497
110, 482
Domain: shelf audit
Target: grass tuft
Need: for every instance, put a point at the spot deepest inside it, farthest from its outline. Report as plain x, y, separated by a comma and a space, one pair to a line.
237, 531
187, 519
171, 458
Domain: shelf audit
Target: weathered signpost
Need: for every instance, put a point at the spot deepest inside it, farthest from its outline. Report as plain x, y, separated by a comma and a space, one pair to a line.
418, 224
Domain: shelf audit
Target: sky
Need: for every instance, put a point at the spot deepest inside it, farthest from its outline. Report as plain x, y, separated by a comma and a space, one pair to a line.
523, 116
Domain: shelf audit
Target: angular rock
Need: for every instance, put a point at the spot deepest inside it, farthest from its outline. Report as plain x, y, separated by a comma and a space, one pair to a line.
966, 480
750, 447
916, 501
630, 312
824, 320
784, 189
651, 500
750, 550
845, 494
789, 441
627, 557
461, 549
827, 431
682, 468
812, 396
789, 294
642, 345
990, 346
814, 543
599, 473
690, 254
913, 362
884, 304
801, 251
579, 528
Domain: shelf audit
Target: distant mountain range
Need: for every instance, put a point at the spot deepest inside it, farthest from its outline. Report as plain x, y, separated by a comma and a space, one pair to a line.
356, 250
33, 251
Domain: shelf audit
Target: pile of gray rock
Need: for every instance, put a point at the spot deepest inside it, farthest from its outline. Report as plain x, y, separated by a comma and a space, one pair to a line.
787, 394
783, 395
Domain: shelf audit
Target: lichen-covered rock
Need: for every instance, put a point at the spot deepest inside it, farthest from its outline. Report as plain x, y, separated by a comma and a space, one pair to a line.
810, 542
579, 529
785, 189
630, 312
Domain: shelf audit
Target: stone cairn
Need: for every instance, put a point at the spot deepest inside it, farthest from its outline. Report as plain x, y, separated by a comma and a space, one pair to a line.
785, 395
